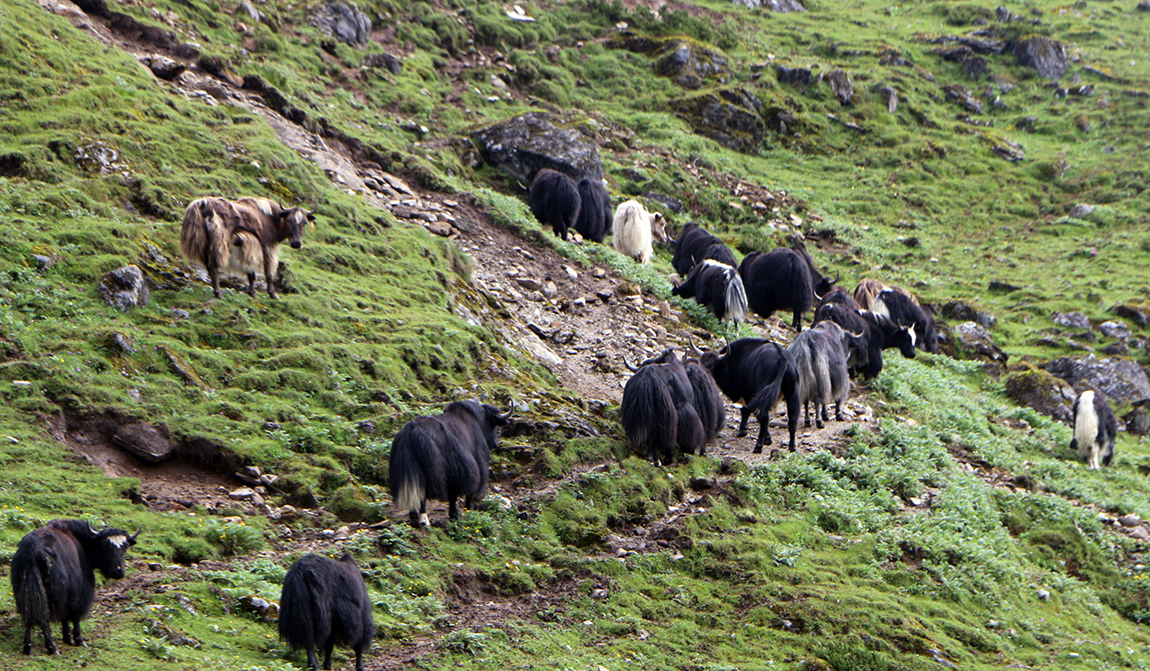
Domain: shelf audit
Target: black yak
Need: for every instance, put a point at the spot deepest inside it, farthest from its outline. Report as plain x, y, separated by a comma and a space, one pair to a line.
820, 284
240, 237
879, 331
718, 287
324, 601
757, 373
904, 310
708, 400
778, 280
554, 200
658, 410
53, 578
443, 458
1094, 429
595, 220
635, 228
821, 354
695, 245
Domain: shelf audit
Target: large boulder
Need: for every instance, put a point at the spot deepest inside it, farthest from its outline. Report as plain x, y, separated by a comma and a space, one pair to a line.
1038, 389
124, 288
1139, 313
841, 86
972, 341
1045, 55
780, 6
1075, 320
147, 442
343, 21
530, 142
692, 65
960, 310
727, 116
1122, 380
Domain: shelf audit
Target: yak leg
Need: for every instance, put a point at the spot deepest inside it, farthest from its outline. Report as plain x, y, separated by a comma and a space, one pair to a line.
358, 659
268, 271
312, 661
214, 272
28, 639
764, 431
252, 285
797, 322
746, 414
838, 411
820, 414
46, 627
327, 652
420, 519
452, 509
77, 639
793, 418
66, 632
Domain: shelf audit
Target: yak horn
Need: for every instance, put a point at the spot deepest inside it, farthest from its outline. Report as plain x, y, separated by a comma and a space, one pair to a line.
506, 417
694, 347
628, 364
132, 538
838, 276
521, 185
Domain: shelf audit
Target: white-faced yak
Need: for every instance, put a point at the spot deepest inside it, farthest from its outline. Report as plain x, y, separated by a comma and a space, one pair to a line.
904, 310
53, 577
1095, 427
635, 228
443, 458
324, 601
240, 237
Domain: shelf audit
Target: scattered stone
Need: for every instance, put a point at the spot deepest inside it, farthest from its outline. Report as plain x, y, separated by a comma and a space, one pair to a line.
600, 593
124, 288
778, 6
1043, 594
1045, 55
841, 86
890, 95
145, 441
550, 290
972, 340
692, 65
960, 310
1140, 533
1073, 320
367, 426
1002, 287
120, 343
385, 60
536, 348
163, 67
242, 494
342, 20
673, 204
729, 116
269, 480
1137, 313
1123, 380
1114, 329
271, 426
530, 142
974, 67
181, 314
961, 95
529, 283
262, 607
1131, 520
1137, 421
798, 77
598, 273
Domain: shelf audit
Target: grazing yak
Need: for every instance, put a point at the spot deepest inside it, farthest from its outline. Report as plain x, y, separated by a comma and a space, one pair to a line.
1094, 429
757, 373
241, 236
904, 310
554, 200
878, 331
443, 458
53, 578
659, 411
634, 229
866, 291
695, 245
821, 355
324, 601
594, 221
780, 279
718, 287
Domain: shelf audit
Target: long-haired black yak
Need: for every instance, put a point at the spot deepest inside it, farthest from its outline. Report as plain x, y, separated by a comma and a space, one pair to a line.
820, 355
595, 220
757, 373
554, 200
708, 399
717, 287
1095, 427
443, 458
658, 410
240, 237
324, 601
904, 310
53, 577
778, 280
695, 245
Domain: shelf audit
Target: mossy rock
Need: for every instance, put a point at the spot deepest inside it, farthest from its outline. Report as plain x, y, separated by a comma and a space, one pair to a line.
1041, 391
351, 504
1137, 312
526, 144
727, 116
686, 62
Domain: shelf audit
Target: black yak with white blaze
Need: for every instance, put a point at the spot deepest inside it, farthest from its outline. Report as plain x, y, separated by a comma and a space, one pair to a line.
695, 245
1095, 427
757, 373
821, 355
659, 411
904, 310
595, 215
53, 577
880, 333
324, 601
554, 200
443, 458
718, 287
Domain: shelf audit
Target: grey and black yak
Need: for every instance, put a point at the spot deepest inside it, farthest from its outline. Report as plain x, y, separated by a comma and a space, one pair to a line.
821, 355
757, 373
324, 601
879, 333
53, 577
717, 287
658, 410
443, 457
554, 200
695, 245
904, 310
1095, 428
595, 217
635, 229
241, 237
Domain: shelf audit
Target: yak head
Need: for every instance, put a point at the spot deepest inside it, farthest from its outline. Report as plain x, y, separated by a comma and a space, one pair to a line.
112, 545
294, 221
658, 226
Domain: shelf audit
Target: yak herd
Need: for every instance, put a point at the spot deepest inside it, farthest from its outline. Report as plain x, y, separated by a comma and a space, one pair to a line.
669, 407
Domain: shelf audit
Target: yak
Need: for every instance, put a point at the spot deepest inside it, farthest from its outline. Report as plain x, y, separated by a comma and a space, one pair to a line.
718, 287
820, 284
554, 200
878, 331
756, 373
443, 458
708, 400
778, 280
324, 601
821, 355
695, 245
866, 291
53, 578
1094, 429
659, 410
634, 229
594, 221
240, 236
904, 310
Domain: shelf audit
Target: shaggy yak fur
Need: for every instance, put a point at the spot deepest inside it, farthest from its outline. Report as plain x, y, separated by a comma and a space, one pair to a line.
904, 310
757, 373
659, 410
443, 458
240, 237
718, 287
635, 228
554, 200
594, 221
324, 601
820, 355
1095, 427
53, 578
695, 245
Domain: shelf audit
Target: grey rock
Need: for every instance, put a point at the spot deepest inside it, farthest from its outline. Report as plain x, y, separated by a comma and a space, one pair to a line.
124, 288
799, 77
890, 95
147, 442
1113, 329
692, 65
1122, 380
1131, 520
120, 343
390, 63
960, 310
841, 86
1137, 421
45, 261
780, 6
367, 426
1139, 314
526, 144
727, 116
673, 204
1043, 594
1073, 320
1119, 348
973, 341
344, 21
1080, 210
163, 67
1045, 55
961, 95
242, 494
1041, 391
1140, 533
181, 314
529, 283
974, 67
271, 426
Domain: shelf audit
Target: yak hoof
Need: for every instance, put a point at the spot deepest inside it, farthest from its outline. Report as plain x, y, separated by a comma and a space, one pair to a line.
27, 648
758, 449
741, 433
819, 424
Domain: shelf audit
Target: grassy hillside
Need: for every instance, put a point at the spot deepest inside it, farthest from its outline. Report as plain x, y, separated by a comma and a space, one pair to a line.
962, 532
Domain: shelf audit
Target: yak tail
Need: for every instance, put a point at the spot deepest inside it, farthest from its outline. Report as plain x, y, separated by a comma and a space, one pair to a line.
649, 417
768, 396
29, 590
305, 615
204, 235
417, 471
736, 299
